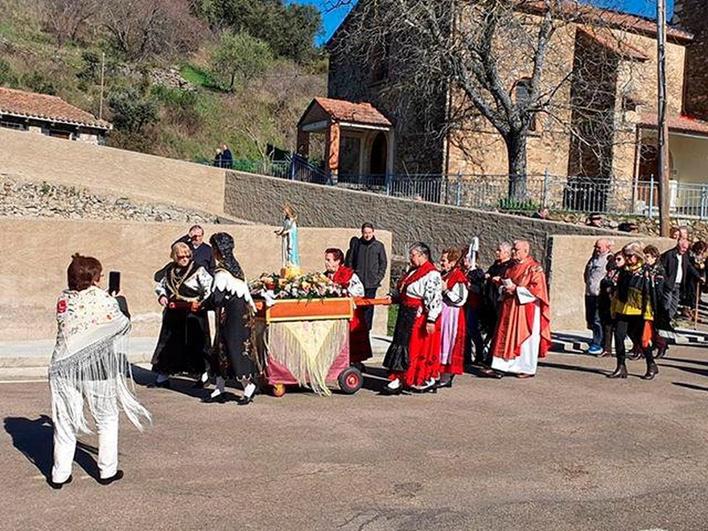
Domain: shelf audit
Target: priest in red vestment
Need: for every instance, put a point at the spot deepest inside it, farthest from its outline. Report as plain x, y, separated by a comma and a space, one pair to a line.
359, 343
523, 331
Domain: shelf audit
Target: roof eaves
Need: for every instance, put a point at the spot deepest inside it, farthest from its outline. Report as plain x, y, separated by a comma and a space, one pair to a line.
98, 124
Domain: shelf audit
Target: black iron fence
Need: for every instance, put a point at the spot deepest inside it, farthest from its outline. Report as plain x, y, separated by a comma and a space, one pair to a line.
492, 192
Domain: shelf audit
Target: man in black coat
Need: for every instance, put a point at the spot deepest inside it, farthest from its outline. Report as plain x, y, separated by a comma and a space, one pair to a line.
227, 159
367, 257
678, 270
201, 252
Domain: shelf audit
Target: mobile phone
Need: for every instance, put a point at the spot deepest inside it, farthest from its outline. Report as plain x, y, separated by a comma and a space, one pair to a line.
114, 282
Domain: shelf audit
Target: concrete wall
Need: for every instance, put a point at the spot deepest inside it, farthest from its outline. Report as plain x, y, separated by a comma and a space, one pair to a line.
126, 173
438, 225
567, 258
33, 274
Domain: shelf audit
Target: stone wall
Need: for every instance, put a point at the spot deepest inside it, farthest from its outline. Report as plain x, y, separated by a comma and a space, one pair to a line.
114, 171
29, 199
567, 258
34, 273
438, 225
693, 15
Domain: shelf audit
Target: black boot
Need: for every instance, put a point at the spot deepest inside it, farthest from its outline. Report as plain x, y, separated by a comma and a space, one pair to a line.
652, 369
620, 371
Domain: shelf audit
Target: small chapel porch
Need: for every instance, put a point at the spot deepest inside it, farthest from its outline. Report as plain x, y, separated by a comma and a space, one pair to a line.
358, 139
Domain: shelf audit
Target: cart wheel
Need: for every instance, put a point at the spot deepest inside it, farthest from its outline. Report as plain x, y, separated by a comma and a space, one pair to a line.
278, 390
350, 380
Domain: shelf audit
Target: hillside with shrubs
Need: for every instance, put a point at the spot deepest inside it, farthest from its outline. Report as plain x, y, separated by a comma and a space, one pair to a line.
180, 77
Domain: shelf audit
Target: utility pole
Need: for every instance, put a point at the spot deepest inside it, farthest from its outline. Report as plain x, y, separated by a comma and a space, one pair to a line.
103, 70
662, 124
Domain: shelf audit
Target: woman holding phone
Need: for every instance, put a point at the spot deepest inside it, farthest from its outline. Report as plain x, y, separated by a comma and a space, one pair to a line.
89, 366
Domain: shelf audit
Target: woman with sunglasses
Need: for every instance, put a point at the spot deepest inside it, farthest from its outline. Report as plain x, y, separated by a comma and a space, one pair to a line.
632, 308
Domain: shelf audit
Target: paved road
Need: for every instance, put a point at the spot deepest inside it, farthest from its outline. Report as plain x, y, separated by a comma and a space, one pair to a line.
566, 450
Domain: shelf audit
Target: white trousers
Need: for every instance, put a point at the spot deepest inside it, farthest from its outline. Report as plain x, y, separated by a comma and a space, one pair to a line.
65, 440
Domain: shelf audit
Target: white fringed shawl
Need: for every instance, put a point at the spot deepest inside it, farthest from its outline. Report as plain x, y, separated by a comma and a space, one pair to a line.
90, 358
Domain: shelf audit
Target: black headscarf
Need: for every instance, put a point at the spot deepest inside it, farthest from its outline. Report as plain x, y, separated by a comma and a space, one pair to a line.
224, 243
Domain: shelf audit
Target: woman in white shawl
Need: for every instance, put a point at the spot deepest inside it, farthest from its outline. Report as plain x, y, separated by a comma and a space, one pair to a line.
89, 365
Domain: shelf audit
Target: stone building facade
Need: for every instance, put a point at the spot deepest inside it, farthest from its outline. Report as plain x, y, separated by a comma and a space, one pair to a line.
625, 151
693, 15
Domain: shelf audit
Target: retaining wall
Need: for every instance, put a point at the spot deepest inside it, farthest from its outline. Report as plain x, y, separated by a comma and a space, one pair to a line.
34, 271
258, 198
35, 157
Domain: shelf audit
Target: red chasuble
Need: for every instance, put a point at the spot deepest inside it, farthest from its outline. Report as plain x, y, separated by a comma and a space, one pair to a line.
359, 343
516, 320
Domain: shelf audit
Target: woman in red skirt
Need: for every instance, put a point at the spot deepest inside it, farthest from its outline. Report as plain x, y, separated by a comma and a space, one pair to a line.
413, 359
359, 344
453, 328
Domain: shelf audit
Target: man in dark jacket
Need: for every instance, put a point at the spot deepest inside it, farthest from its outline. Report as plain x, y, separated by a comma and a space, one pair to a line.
678, 270
367, 257
201, 252
227, 159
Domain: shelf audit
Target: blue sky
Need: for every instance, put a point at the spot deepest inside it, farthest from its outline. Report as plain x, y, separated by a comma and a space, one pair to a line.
640, 7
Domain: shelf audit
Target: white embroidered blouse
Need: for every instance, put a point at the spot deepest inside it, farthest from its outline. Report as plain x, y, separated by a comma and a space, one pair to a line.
429, 289
457, 296
199, 281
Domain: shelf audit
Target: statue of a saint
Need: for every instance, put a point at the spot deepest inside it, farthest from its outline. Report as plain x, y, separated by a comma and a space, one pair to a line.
290, 252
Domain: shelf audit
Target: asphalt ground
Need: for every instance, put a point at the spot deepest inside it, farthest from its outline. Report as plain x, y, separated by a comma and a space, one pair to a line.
568, 449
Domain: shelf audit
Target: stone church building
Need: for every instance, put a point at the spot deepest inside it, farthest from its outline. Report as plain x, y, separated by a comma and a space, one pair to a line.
398, 139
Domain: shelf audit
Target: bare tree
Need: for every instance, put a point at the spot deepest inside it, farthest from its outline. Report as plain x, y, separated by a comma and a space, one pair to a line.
143, 28
65, 19
504, 65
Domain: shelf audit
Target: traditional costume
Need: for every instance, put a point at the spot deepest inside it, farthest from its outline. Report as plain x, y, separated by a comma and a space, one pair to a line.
89, 365
234, 307
359, 343
414, 355
183, 345
452, 320
523, 331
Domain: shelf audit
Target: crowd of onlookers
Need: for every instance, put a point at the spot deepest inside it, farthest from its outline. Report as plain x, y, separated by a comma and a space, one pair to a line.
639, 292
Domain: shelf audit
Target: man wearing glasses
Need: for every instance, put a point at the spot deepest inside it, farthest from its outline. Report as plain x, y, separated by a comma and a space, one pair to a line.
413, 358
523, 332
201, 252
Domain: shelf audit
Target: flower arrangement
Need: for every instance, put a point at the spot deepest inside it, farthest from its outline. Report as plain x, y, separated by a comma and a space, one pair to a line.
309, 286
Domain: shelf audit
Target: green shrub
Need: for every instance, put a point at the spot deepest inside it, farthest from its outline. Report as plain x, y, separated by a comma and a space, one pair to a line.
174, 97
517, 205
39, 82
8, 77
131, 111
239, 58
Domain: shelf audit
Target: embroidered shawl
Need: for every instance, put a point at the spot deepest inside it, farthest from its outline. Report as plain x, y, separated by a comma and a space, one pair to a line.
91, 357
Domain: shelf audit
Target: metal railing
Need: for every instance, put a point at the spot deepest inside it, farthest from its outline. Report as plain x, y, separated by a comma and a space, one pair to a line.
492, 192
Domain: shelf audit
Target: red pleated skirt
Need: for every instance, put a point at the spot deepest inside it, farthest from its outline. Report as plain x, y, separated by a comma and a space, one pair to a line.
424, 355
